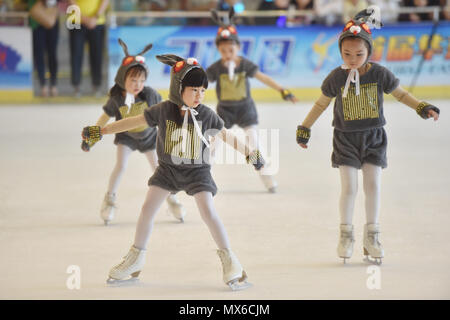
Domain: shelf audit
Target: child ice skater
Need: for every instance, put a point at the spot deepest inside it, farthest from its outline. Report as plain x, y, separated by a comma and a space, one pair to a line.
129, 97
359, 139
232, 73
184, 128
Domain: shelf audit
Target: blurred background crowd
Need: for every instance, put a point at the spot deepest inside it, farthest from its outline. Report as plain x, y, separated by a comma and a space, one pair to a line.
49, 34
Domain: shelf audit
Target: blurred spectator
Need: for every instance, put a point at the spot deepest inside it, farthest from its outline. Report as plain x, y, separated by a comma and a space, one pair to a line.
238, 5
328, 12
445, 4
93, 31
12, 5
45, 42
417, 17
302, 5
225, 5
273, 5
388, 8
351, 8
201, 5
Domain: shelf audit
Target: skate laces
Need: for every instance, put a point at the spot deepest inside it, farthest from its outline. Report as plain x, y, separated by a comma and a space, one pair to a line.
373, 237
110, 200
347, 237
129, 259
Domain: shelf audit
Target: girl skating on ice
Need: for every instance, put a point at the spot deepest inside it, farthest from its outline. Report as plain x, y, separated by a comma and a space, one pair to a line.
129, 97
359, 139
232, 73
184, 128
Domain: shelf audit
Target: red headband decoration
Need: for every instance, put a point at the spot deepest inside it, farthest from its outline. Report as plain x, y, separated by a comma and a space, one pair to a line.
178, 66
126, 61
348, 25
366, 27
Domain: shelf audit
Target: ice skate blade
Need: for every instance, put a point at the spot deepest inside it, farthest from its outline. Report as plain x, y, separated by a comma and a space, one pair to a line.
375, 261
239, 286
344, 259
121, 283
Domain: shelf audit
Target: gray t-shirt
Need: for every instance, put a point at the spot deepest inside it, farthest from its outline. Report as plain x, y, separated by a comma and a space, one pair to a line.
363, 111
236, 91
116, 107
166, 116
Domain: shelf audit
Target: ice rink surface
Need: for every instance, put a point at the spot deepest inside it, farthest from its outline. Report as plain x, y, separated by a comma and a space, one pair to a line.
51, 192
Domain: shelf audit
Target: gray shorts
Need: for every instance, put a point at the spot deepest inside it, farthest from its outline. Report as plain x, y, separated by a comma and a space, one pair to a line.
242, 114
143, 145
191, 180
359, 147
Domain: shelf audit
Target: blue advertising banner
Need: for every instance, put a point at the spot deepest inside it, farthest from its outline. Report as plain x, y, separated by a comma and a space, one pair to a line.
15, 63
299, 57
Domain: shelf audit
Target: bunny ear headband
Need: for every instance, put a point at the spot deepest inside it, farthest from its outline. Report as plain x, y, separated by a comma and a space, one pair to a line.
225, 31
130, 61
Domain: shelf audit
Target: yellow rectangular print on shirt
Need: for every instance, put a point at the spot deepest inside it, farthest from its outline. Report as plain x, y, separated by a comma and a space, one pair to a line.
135, 110
233, 90
174, 141
362, 106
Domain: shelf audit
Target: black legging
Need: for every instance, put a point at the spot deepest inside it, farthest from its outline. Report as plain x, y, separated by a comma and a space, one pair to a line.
46, 41
95, 38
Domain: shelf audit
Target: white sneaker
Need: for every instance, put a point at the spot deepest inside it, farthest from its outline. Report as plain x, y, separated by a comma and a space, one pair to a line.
176, 208
109, 207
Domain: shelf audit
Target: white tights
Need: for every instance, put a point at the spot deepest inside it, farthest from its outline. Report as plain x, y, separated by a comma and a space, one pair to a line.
251, 137
154, 199
123, 154
349, 188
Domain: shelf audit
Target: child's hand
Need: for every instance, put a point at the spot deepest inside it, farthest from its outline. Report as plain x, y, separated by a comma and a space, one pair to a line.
426, 110
302, 136
85, 146
433, 114
287, 95
255, 158
91, 134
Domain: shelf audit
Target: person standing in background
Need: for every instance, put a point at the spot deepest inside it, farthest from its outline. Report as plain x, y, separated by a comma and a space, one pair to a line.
351, 8
45, 42
93, 30
421, 16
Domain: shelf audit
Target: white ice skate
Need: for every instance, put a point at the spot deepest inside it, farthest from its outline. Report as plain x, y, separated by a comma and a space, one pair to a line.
346, 241
269, 182
130, 266
176, 208
373, 250
233, 274
109, 207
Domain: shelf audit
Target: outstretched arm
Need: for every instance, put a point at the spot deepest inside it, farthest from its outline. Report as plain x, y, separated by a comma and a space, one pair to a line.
304, 130
124, 125
424, 109
103, 120
233, 141
92, 134
254, 157
286, 94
